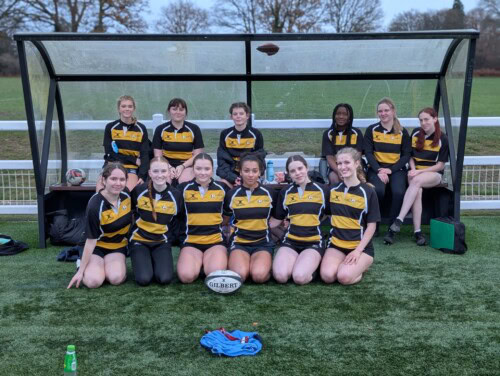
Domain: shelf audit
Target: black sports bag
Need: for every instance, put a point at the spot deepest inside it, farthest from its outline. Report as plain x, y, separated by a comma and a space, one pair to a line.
9, 246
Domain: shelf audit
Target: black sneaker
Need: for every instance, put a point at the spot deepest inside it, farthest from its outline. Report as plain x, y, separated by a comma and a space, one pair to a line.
420, 238
389, 237
396, 225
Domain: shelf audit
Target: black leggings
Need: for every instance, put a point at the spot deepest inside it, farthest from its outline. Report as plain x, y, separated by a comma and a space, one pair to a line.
397, 183
152, 261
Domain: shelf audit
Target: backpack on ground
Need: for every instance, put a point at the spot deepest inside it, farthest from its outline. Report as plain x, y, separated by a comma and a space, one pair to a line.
9, 246
448, 235
63, 230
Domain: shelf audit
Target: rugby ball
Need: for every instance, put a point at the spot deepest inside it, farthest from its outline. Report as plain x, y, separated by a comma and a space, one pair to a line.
76, 176
223, 281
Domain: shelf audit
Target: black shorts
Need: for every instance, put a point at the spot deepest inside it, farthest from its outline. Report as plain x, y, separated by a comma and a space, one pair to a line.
132, 170
252, 248
203, 247
369, 250
101, 252
299, 246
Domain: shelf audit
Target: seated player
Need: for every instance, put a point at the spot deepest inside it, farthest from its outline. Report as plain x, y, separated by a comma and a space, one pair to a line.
303, 204
429, 156
251, 204
204, 244
178, 141
235, 141
340, 134
387, 148
354, 214
126, 141
108, 217
155, 203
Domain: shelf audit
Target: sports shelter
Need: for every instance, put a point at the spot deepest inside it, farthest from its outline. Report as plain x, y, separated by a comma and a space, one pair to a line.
55, 63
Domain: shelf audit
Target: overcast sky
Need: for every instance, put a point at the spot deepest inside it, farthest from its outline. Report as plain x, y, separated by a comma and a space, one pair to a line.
390, 7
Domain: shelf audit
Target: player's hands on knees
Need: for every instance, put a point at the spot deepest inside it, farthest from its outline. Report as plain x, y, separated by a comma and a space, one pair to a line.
76, 280
352, 257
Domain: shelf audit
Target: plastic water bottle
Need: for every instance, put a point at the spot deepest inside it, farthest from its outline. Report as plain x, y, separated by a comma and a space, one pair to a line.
70, 364
270, 171
114, 146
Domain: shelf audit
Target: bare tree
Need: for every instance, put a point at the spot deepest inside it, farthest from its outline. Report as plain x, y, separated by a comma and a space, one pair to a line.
237, 15
85, 15
11, 15
120, 15
183, 17
288, 16
414, 20
491, 6
354, 15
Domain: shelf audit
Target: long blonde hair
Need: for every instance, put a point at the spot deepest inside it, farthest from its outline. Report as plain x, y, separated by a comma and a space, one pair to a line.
127, 98
356, 156
396, 124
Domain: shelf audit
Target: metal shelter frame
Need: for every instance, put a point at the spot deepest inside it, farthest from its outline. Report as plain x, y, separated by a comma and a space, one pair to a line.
40, 158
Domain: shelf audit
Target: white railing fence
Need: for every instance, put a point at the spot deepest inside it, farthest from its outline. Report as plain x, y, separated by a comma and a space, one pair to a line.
157, 119
480, 183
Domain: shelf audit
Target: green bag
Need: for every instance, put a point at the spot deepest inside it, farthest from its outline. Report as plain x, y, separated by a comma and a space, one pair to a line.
448, 235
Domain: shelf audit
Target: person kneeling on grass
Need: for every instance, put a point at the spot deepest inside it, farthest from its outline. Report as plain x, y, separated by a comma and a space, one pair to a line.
204, 245
429, 155
303, 204
108, 219
354, 214
156, 203
250, 246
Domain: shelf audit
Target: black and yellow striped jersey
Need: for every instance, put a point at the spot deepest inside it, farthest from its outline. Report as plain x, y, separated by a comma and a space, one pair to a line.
251, 210
131, 140
429, 155
386, 149
351, 209
109, 224
177, 144
328, 147
304, 209
236, 143
167, 204
202, 212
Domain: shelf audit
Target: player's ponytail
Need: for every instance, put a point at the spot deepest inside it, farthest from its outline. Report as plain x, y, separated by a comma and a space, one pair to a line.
150, 195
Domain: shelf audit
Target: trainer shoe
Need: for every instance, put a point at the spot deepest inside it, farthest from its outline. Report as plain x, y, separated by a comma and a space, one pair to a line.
420, 238
389, 237
396, 225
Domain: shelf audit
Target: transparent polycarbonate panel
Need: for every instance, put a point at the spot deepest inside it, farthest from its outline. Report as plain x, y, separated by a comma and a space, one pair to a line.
88, 106
351, 56
54, 166
455, 79
146, 57
39, 84
316, 99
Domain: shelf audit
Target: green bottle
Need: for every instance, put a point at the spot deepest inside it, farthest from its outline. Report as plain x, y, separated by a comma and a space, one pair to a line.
70, 364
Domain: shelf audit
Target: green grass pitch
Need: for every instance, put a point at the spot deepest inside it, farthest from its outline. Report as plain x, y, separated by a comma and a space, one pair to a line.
416, 312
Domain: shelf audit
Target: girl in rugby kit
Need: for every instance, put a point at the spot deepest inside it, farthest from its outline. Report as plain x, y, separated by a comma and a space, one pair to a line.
108, 219
387, 148
178, 141
251, 204
126, 141
156, 203
354, 211
429, 156
303, 204
204, 244
340, 134
240, 138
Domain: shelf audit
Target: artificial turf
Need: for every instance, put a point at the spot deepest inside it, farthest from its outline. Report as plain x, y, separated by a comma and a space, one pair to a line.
416, 312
